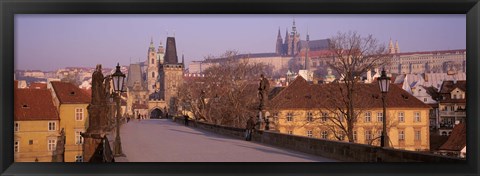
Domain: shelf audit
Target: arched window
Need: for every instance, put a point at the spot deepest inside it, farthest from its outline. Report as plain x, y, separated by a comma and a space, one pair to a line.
153, 74
153, 61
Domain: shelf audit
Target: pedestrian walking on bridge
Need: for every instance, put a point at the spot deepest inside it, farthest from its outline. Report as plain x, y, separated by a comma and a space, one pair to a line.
249, 129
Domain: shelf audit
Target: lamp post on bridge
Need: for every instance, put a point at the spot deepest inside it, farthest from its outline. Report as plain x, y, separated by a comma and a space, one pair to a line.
384, 84
118, 80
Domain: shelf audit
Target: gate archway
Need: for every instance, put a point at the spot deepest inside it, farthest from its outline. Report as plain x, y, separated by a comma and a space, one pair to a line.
156, 114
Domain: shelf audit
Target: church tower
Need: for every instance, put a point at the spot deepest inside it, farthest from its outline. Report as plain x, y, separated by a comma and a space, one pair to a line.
279, 46
152, 69
397, 49
391, 50
307, 60
294, 40
170, 75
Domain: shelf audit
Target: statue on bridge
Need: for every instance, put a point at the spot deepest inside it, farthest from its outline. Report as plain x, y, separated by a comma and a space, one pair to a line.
263, 91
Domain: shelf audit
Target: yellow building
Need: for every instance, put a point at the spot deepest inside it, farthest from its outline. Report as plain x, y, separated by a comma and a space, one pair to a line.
313, 110
36, 125
71, 103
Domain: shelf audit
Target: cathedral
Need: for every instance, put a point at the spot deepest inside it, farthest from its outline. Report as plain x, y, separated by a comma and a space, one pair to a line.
152, 85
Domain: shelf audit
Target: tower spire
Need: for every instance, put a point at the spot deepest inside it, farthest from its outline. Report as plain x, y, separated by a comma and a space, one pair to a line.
390, 47
397, 49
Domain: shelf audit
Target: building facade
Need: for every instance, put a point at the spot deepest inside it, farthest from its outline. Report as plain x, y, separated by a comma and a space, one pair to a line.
36, 126
71, 103
308, 110
452, 105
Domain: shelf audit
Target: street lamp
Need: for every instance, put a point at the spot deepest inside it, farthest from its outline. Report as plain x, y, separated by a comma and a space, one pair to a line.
384, 83
118, 79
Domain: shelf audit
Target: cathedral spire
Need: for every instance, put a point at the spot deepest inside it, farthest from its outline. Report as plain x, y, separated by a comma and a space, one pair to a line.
307, 63
279, 44
397, 49
294, 28
390, 47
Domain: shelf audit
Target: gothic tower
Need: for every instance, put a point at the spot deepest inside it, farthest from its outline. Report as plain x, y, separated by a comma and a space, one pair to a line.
152, 69
391, 50
286, 43
397, 49
293, 41
307, 60
279, 46
170, 75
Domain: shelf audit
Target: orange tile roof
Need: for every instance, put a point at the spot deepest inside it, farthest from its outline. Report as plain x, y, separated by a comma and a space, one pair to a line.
302, 95
68, 93
38, 86
34, 104
457, 140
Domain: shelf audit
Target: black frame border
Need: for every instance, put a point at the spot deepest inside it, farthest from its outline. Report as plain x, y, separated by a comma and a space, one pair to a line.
8, 8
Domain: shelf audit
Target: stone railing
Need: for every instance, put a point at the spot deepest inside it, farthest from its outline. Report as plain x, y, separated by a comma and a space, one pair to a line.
342, 151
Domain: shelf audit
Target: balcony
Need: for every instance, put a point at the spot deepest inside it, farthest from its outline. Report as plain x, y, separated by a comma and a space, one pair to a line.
452, 113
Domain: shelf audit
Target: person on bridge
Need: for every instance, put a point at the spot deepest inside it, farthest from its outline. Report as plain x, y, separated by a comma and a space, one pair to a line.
186, 119
249, 129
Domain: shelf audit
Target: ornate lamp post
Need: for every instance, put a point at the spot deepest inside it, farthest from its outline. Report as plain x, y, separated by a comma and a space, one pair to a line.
118, 79
384, 83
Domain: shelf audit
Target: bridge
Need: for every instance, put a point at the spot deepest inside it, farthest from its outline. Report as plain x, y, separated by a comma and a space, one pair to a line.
162, 140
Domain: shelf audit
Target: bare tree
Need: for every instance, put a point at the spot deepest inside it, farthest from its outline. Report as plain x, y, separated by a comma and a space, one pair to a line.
353, 55
227, 94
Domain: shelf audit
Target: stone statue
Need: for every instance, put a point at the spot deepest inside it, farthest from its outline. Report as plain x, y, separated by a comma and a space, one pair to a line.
263, 91
98, 90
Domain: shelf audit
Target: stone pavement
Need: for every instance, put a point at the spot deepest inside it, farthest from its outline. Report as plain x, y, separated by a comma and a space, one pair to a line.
161, 140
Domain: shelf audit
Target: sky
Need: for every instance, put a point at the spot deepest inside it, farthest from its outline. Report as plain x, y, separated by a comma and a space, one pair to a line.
51, 41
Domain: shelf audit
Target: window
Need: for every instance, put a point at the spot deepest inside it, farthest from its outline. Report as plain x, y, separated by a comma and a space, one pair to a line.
30, 142
401, 135
368, 135
152, 60
418, 135
79, 114
354, 136
290, 132
52, 143
309, 133
424, 99
289, 117
17, 126
380, 116
52, 126
16, 147
416, 116
368, 116
309, 116
324, 134
275, 115
79, 158
324, 117
401, 117
78, 138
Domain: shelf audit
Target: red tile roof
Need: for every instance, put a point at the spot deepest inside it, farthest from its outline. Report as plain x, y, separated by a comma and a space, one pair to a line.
447, 87
302, 95
68, 93
34, 104
38, 86
457, 140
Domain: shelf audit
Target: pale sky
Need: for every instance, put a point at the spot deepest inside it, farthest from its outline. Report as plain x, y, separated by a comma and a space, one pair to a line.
50, 42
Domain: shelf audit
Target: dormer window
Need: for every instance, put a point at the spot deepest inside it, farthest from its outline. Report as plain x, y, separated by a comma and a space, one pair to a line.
25, 106
72, 93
